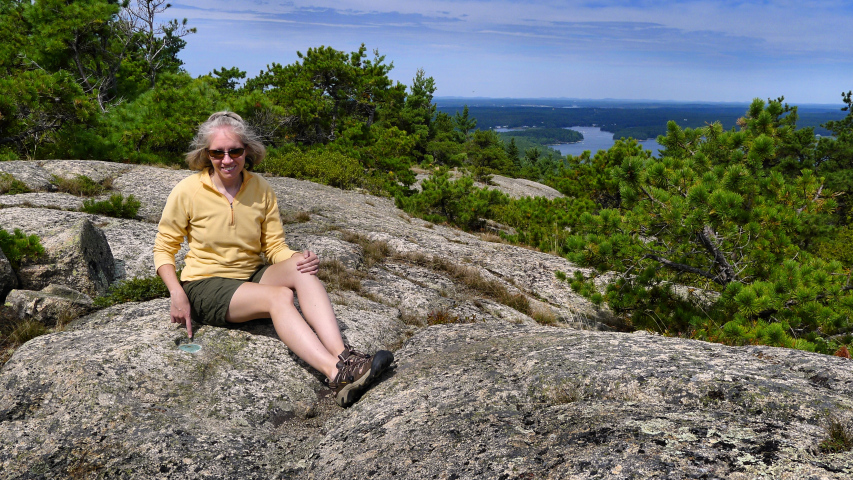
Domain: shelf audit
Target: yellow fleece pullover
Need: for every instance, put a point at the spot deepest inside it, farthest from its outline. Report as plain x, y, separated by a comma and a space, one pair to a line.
225, 240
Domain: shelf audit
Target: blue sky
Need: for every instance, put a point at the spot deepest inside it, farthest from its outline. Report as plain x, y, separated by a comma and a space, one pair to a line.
699, 50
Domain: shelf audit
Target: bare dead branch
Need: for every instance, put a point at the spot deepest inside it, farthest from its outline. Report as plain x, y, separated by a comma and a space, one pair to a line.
815, 199
708, 240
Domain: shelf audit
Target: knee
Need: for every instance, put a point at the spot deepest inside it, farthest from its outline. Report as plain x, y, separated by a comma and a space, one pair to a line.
282, 295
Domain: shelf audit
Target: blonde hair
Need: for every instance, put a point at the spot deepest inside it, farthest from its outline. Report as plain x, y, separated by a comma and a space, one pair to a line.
197, 158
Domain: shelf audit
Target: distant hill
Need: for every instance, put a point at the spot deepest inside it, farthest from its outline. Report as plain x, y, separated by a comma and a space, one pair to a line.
624, 118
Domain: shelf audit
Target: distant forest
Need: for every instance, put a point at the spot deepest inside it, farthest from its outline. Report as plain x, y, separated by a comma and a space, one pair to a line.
639, 121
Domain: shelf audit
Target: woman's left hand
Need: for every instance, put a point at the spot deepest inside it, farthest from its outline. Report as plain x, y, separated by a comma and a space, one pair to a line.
309, 264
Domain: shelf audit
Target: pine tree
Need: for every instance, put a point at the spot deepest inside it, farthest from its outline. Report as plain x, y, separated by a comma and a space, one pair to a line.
711, 241
464, 123
513, 153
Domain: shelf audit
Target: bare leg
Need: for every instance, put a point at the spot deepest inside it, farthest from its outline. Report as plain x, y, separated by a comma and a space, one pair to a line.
252, 300
313, 300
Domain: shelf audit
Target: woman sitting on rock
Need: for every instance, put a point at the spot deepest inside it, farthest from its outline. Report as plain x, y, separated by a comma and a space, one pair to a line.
230, 217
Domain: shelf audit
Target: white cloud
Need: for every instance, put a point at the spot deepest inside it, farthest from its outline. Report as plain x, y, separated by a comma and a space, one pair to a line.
463, 42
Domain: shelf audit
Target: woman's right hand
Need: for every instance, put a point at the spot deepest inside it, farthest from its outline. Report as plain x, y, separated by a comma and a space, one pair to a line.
180, 310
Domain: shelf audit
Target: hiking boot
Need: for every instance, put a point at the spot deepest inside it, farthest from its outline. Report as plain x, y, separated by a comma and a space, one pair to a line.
356, 371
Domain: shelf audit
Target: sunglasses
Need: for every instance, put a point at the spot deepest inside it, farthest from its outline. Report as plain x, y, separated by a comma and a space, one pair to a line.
220, 154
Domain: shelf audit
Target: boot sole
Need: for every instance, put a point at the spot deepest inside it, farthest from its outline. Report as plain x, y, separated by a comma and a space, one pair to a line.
381, 360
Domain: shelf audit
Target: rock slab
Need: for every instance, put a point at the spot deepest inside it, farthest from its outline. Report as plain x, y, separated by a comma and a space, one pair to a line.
519, 401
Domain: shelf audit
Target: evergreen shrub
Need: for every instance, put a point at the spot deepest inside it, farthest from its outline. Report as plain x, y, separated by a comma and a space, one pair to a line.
319, 165
117, 206
133, 290
457, 202
18, 246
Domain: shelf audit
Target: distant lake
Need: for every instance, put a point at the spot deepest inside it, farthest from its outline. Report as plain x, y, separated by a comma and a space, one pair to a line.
594, 140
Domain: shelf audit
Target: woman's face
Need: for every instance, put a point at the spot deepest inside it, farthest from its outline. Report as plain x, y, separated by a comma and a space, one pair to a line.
228, 168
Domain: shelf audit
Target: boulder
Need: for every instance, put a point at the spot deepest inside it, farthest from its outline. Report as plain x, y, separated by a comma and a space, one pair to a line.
130, 241
113, 396
31, 173
521, 187
79, 257
98, 171
8, 279
56, 304
520, 401
514, 187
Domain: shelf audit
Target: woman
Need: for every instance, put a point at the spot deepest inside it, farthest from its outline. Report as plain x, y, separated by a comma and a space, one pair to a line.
230, 217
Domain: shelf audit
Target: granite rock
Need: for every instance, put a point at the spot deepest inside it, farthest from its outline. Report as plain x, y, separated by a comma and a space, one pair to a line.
8, 278
55, 304
521, 401
494, 395
79, 257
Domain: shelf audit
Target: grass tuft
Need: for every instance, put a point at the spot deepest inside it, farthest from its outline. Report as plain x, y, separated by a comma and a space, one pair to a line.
289, 217
81, 185
373, 251
544, 316
569, 391
10, 185
443, 316
14, 332
839, 435
471, 278
336, 276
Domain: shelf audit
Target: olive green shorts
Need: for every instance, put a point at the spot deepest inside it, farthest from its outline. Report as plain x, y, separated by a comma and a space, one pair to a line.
210, 297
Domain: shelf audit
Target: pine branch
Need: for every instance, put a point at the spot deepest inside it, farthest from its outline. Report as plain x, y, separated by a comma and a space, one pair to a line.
680, 267
815, 199
653, 199
707, 239
33, 131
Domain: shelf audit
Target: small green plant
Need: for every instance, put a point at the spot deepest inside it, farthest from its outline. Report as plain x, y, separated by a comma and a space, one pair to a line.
81, 185
18, 246
117, 206
133, 290
839, 435
10, 185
